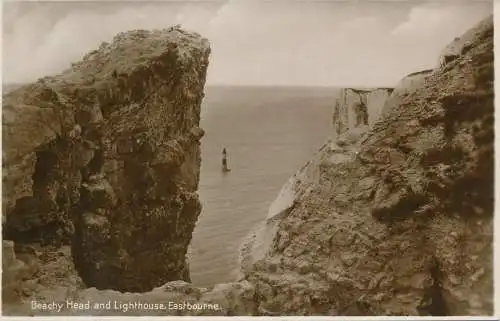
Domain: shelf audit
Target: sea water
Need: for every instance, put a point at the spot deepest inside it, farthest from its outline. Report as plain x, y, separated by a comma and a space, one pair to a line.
269, 133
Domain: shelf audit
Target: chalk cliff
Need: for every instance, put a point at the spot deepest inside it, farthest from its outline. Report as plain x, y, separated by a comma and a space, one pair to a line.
396, 219
406, 86
393, 216
105, 158
358, 107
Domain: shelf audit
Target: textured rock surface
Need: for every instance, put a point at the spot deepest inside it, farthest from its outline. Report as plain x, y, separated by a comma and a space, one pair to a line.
105, 157
12, 270
460, 45
39, 273
406, 86
392, 217
260, 240
403, 226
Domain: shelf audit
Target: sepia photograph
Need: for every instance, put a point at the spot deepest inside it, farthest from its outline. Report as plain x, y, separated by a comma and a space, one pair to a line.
248, 158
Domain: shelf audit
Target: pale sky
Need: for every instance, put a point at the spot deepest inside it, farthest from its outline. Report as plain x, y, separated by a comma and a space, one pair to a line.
280, 42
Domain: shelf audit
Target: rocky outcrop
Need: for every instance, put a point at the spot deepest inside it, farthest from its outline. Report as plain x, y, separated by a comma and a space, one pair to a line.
105, 158
390, 217
460, 45
12, 269
358, 107
402, 224
406, 86
37, 273
410, 82
260, 240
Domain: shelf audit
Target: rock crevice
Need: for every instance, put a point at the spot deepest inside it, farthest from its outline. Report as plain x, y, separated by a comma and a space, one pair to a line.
116, 176
392, 216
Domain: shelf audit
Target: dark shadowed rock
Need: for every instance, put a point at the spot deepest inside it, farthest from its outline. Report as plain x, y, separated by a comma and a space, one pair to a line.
394, 216
82, 155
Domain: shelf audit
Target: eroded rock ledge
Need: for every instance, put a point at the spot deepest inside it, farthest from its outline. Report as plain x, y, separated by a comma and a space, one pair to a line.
394, 216
401, 219
105, 158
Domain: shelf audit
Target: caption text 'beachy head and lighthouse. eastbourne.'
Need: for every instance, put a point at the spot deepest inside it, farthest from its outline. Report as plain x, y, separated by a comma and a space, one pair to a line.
123, 306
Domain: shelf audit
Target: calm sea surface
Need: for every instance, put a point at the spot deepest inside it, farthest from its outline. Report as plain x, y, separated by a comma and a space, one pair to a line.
269, 133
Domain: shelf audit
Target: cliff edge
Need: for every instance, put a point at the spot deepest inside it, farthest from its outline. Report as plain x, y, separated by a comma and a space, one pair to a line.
393, 216
399, 219
358, 108
105, 157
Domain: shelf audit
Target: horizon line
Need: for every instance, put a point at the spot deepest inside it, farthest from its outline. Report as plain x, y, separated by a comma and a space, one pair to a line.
300, 85
254, 85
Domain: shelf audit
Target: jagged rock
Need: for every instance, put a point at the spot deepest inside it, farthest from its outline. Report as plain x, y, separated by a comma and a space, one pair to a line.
406, 226
75, 132
396, 221
197, 133
10, 262
36, 220
97, 193
460, 45
132, 221
172, 155
406, 86
38, 273
12, 271
91, 115
351, 136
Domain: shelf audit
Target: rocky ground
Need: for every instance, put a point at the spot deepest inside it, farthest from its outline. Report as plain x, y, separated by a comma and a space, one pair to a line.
104, 158
394, 216
403, 226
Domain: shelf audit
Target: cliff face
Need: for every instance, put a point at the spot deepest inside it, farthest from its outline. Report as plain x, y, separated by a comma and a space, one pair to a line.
105, 157
392, 217
358, 107
460, 45
400, 221
406, 86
